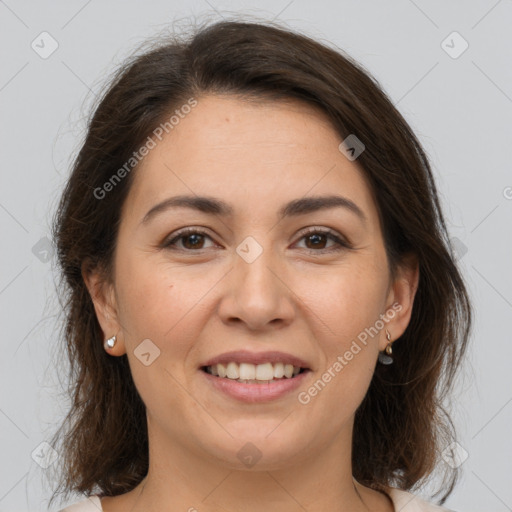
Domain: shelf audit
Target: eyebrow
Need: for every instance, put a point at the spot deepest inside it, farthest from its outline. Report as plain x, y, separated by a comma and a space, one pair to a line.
215, 206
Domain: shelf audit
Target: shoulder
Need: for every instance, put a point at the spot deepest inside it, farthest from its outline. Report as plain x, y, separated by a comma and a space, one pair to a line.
405, 501
91, 504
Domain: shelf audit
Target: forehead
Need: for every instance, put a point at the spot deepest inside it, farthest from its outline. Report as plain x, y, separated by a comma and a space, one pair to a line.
254, 155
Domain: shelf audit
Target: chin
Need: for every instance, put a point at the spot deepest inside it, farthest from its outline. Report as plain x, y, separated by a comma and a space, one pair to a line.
258, 448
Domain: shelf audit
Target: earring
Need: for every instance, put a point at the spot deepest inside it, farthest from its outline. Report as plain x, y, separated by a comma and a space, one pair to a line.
110, 342
385, 355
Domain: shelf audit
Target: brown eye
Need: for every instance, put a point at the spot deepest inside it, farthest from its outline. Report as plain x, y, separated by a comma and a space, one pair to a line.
191, 240
316, 240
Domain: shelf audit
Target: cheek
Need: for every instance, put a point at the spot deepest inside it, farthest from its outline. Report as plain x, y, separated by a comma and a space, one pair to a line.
159, 304
345, 306
345, 301
162, 302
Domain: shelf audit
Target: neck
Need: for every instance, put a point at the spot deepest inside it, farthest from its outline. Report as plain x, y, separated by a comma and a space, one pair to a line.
180, 478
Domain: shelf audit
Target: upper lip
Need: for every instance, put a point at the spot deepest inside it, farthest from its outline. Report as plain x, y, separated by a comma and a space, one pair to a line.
244, 356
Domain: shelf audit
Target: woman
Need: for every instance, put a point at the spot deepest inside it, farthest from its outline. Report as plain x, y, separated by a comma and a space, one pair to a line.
264, 312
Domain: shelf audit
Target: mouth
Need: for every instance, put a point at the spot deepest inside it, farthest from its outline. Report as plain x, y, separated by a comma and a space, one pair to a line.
254, 383
248, 373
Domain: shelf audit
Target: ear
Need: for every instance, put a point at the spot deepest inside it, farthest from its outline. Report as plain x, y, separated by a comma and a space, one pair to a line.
103, 296
400, 299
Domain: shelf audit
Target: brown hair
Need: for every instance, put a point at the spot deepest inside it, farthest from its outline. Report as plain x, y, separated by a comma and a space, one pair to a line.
401, 426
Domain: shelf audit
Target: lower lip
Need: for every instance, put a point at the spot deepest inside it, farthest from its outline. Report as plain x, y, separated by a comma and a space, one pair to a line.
256, 392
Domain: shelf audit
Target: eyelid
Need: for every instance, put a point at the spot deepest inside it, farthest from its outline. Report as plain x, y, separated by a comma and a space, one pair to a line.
322, 229
341, 242
182, 232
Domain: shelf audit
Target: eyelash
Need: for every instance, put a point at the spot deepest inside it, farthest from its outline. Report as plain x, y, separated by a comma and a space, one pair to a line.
341, 244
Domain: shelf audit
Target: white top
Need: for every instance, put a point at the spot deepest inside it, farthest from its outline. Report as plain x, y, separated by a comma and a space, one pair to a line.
403, 501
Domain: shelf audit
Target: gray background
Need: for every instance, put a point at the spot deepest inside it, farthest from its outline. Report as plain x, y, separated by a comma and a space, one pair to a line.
459, 105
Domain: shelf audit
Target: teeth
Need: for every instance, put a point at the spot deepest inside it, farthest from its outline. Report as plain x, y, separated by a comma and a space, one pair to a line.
232, 371
262, 371
279, 370
246, 372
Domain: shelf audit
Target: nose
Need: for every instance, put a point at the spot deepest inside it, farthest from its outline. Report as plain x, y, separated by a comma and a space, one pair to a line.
257, 295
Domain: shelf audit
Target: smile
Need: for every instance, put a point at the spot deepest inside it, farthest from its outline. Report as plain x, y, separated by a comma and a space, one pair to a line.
248, 373
268, 381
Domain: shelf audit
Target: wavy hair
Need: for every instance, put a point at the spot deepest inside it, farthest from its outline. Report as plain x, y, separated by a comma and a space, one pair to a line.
400, 427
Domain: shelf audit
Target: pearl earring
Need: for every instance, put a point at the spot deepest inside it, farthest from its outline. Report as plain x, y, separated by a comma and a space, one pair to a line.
385, 355
110, 342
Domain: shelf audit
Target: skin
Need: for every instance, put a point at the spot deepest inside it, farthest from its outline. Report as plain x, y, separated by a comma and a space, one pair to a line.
296, 297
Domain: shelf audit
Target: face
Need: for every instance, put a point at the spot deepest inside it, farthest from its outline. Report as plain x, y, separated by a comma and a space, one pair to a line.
308, 280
